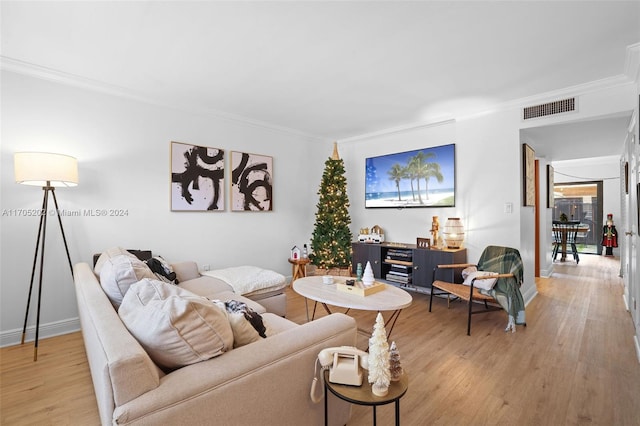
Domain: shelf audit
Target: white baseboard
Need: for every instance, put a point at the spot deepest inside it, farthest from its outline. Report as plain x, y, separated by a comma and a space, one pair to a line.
13, 337
637, 342
529, 295
626, 305
546, 273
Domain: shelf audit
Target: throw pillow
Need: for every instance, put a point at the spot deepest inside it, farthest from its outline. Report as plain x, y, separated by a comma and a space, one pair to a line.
175, 326
118, 273
471, 273
162, 269
248, 326
108, 254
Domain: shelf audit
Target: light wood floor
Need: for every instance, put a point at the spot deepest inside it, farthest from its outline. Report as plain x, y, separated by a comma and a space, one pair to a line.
573, 364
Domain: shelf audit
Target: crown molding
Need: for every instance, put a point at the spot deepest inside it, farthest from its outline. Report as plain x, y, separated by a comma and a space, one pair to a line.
44, 73
580, 89
632, 63
398, 129
577, 90
631, 75
595, 161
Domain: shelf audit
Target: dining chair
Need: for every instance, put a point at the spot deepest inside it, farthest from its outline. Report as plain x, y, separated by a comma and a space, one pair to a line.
572, 235
565, 235
557, 242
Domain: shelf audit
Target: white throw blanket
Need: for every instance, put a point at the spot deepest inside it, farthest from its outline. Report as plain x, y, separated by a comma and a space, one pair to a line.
247, 279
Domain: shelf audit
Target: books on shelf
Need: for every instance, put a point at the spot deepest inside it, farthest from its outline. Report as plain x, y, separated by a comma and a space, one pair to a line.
400, 268
397, 254
399, 273
398, 279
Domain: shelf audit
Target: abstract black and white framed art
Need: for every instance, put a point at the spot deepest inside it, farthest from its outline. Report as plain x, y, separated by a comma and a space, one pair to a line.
251, 182
197, 178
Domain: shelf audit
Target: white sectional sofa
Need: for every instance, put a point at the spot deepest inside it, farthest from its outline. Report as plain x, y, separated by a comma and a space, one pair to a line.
269, 293
266, 382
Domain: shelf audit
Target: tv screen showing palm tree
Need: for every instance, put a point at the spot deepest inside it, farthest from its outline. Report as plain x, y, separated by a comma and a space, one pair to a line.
421, 178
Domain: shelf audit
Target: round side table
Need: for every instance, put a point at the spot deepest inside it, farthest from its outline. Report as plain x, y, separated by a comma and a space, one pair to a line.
362, 395
299, 268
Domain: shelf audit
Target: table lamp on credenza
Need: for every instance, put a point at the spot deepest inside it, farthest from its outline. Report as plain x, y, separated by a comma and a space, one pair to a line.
49, 171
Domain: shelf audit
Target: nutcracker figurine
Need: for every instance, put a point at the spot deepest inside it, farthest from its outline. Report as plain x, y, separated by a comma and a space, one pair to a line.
435, 233
609, 236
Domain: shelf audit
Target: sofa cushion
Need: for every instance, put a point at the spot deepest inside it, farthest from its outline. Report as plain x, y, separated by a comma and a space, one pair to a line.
277, 324
175, 326
119, 272
205, 286
185, 270
215, 289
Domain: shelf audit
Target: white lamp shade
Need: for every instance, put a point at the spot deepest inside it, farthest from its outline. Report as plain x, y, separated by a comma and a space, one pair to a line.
45, 168
453, 233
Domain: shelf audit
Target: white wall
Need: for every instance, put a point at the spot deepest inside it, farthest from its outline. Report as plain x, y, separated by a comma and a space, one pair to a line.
123, 147
123, 151
400, 225
487, 177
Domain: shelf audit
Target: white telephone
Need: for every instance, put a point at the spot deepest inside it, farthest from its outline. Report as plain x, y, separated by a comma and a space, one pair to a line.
344, 365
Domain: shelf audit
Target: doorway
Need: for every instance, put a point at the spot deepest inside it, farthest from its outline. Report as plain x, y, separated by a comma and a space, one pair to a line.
581, 201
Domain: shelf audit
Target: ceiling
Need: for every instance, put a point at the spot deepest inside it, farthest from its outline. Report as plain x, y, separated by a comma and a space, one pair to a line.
601, 137
330, 69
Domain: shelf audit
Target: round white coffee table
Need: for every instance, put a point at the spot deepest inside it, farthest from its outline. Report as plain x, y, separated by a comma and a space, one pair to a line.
390, 299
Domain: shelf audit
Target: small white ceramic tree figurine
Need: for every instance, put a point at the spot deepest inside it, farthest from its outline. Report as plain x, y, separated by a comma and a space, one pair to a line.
367, 277
394, 363
379, 374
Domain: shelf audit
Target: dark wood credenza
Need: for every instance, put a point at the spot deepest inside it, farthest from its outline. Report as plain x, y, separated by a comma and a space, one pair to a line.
405, 265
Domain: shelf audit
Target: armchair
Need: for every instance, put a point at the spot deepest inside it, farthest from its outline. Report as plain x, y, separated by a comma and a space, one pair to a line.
506, 264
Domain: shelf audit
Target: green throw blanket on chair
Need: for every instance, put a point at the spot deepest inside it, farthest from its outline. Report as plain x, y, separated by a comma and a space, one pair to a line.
506, 291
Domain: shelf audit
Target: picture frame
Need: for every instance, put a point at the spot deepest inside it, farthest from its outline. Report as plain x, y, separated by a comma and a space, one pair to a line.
550, 186
197, 178
528, 167
423, 243
626, 177
251, 182
420, 178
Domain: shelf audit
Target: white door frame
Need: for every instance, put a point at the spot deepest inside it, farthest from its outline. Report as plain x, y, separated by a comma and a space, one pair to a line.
629, 239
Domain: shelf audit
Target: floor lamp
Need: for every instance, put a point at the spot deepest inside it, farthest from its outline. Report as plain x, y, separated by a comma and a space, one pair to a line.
48, 171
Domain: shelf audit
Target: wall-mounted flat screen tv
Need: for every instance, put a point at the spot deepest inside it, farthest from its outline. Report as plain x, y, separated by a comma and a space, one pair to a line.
421, 178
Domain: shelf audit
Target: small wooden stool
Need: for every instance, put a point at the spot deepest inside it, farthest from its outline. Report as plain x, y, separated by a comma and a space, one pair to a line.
299, 268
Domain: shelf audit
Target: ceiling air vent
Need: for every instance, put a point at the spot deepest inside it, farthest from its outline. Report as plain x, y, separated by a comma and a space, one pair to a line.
551, 108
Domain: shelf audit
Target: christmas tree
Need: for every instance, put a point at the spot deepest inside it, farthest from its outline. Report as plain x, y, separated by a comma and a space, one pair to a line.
394, 363
379, 374
331, 240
